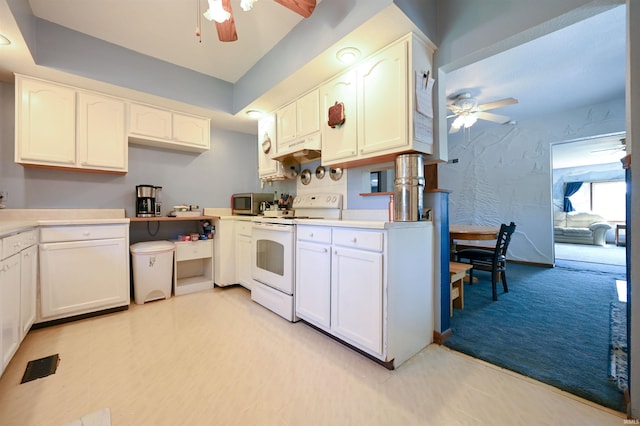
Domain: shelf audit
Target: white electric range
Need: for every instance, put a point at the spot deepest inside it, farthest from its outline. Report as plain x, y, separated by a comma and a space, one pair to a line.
273, 248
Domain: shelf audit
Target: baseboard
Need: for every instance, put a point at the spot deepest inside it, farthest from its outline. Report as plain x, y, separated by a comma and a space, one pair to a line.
524, 262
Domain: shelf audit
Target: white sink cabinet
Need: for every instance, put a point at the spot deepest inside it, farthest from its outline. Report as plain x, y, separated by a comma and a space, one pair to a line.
83, 269
371, 288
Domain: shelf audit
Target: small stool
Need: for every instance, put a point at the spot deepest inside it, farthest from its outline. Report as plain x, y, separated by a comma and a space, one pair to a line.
457, 272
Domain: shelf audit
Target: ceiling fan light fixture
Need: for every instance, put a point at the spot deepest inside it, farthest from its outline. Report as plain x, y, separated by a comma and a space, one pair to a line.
348, 55
247, 5
216, 12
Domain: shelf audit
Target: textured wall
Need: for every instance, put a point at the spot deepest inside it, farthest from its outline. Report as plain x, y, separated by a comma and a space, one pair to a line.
504, 174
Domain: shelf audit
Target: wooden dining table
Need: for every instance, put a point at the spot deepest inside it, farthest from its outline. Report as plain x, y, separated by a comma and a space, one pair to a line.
472, 233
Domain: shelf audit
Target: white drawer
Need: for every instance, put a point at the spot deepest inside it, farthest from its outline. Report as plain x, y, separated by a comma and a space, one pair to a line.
187, 250
243, 227
15, 243
49, 234
318, 234
357, 238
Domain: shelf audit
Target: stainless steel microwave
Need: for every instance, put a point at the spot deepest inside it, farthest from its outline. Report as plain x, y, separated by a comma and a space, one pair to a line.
248, 203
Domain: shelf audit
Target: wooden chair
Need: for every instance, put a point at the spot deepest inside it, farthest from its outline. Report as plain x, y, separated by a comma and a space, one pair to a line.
491, 260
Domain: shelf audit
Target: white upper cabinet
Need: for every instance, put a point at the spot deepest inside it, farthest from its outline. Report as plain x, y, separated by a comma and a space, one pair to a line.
382, 107
268, 169
297, 120
168, 129
148, 121
59, 126
45, 123
101, 121
308, 114
191, 130
381, 119
341, 141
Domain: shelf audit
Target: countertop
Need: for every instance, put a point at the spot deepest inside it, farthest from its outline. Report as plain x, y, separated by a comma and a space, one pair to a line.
16, 220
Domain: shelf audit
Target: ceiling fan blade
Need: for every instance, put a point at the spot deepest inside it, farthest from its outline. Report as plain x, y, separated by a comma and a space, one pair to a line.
302, 7
227, 29
496, 118
497, 104
454, 129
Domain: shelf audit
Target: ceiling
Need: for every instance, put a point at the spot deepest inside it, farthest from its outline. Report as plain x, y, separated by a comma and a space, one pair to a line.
165, 29
575, 66
578, 65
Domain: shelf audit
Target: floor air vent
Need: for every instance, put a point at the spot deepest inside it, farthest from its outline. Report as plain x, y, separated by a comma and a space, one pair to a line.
40, 368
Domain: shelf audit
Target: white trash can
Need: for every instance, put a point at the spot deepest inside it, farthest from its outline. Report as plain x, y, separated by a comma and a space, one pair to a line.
152, 270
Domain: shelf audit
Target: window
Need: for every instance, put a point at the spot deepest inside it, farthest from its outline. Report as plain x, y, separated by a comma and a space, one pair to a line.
604, 198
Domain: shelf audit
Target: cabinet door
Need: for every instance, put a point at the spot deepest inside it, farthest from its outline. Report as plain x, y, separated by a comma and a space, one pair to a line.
383, 96
340, 142
224, 252
286, 126
267, 147
83, 276
244, 256
356, 298
148, 121
102, 139
45, 124
10, 307
313, 283
308, 114
28, 283
191, 130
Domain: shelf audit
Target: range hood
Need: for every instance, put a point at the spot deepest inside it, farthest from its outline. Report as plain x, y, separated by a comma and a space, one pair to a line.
300, 150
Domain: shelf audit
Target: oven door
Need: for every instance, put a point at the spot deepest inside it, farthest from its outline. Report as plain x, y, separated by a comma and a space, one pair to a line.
272, 246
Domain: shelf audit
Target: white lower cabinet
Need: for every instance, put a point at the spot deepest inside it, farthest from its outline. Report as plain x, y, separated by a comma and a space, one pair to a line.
244, 254
10, 305
371, 288
17, 291
28, 288
313, 275
224, 251
194, 266
83, 269
356, 297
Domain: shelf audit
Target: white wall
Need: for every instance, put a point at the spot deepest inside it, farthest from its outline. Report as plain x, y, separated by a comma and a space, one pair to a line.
504, 174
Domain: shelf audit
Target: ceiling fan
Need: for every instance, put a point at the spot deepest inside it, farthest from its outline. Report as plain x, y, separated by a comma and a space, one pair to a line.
467, 111
220, 12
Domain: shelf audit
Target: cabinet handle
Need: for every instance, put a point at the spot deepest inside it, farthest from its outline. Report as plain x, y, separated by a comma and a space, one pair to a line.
86, 233
311, 235
324, 250
354, 240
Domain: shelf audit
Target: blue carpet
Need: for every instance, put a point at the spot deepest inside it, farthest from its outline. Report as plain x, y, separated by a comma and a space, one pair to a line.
552, 326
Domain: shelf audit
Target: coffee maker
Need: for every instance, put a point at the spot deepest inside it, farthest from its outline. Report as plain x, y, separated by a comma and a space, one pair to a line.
145, 201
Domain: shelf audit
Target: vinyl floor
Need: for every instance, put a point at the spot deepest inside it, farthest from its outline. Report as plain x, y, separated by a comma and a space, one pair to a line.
217, 358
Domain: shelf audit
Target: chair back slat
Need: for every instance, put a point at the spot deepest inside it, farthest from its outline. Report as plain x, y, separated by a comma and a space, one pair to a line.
504, 238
